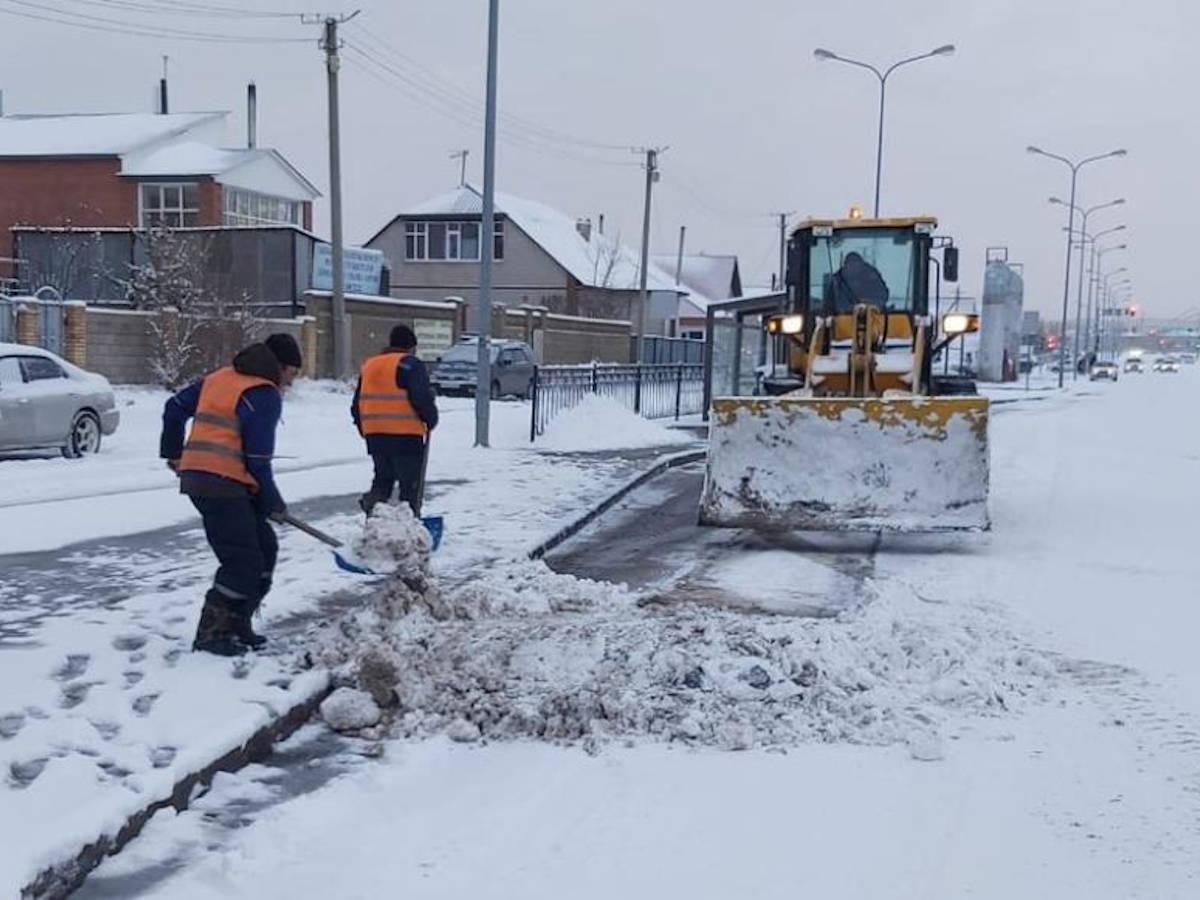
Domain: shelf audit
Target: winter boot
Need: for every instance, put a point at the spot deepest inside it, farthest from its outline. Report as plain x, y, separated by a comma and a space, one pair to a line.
367, 502
243, 628
215, 632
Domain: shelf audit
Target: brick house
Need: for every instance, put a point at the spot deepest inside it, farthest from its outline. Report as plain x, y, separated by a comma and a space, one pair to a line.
134, 170
543, 258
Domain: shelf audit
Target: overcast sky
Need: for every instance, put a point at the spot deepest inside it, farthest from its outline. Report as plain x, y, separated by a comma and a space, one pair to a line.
754, 123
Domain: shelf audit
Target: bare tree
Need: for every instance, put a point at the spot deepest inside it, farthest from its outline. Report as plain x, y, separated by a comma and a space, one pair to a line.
198, 327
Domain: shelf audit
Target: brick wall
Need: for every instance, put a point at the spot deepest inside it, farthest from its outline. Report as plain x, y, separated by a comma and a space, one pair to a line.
83, 192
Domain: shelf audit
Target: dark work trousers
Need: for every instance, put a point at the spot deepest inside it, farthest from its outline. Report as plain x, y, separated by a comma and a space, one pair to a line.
393, 470
245, 544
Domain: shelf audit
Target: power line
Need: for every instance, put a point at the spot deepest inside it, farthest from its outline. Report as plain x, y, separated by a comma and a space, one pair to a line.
460, 111
435, 83
118, 26
194, 10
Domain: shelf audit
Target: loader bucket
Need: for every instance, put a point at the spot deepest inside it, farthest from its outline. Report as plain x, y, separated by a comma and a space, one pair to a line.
847, 464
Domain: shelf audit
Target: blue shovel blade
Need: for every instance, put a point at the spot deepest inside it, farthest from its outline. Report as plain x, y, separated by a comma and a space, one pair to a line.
347, 565
435, 525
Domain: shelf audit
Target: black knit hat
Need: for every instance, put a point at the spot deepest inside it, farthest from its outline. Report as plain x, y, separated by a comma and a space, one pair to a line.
286, 350
402, 338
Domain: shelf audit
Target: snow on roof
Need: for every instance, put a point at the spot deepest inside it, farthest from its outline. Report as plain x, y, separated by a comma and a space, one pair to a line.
709, 277
189, 158
99, 134
596, 262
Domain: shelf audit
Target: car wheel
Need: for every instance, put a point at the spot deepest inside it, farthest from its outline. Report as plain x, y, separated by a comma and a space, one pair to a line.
84, 437
495, 390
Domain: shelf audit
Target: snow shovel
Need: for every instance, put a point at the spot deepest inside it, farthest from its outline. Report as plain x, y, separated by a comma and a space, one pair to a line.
435, 525
344, 560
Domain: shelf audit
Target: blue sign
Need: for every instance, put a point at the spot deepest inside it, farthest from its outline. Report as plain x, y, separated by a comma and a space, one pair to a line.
362, 269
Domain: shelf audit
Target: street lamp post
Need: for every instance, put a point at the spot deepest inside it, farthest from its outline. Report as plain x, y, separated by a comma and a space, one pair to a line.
1098, 253
1083, 237
1106, 298
1074, 167
828, 55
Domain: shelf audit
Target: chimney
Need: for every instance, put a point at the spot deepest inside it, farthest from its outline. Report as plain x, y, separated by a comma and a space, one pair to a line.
584, 227
251, 115
679, 259
601, 225
163, 106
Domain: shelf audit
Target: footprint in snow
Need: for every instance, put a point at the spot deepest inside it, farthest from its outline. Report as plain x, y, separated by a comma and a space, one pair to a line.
132, 677
23, 774
171, 656
139, 656
74, 693
11, 724
143, 704
113, 770
128, 642
74, 666
161, 757
107, 730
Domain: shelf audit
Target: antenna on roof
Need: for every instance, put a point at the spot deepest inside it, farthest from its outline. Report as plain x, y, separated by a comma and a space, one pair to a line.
461, 154
163, 106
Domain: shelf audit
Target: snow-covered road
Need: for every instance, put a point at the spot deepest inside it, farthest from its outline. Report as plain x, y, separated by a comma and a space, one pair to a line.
1094, 792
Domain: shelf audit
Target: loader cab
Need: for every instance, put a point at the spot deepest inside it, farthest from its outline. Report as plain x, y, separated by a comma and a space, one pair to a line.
835, 265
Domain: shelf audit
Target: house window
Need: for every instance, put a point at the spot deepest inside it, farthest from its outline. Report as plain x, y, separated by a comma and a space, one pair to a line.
242, 207
173, 205
451, 241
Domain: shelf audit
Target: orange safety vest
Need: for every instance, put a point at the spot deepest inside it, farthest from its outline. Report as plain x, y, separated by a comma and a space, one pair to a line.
215, 442
383, 407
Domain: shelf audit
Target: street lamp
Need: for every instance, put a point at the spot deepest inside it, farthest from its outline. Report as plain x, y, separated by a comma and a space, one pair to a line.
1074, 167
1120, 201
1097, 260
823, 55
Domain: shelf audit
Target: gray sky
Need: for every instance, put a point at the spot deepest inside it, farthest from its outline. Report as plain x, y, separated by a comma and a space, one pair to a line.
754, 123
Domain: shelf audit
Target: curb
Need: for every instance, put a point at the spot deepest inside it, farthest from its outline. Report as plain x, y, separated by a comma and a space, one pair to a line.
63, 878
567, 532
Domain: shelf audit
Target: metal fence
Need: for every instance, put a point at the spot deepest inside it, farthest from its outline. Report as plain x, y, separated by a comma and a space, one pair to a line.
653, 391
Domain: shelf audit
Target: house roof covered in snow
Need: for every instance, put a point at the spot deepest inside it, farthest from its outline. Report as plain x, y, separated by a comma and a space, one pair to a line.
595, 261
197, 158
93, 134
708, 277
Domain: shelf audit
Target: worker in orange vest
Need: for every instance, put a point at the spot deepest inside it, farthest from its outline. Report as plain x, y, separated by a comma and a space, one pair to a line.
224, 467
394, 410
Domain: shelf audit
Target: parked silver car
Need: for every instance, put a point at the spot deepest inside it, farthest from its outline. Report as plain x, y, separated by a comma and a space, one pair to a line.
512, 369
48, 404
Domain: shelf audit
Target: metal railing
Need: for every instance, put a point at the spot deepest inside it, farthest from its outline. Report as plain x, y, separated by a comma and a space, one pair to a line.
652, 391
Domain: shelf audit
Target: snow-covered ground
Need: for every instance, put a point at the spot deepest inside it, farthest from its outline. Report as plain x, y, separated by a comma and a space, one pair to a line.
1085, 785
104, 709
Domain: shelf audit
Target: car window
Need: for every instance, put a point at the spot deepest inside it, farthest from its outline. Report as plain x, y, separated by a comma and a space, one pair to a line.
10, 371
39, 368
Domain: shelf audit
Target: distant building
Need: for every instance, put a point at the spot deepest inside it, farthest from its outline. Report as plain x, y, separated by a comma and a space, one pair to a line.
707, 277
134, 170
1001, 322
543, 258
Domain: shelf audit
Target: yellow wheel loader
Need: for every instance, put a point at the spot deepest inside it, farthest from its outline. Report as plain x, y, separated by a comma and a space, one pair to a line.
854, 431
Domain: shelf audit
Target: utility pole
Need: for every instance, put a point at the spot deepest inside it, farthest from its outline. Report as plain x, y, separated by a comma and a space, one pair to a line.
644, 296
487, 237
341, 333
461, 154
783, 217
679, 258
164, 106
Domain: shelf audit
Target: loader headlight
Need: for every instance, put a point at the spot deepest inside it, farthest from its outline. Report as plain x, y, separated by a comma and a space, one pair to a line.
785, 325
959, 323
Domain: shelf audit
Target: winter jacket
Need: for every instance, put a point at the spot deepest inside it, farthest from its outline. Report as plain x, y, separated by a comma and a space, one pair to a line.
258, 412
413, 377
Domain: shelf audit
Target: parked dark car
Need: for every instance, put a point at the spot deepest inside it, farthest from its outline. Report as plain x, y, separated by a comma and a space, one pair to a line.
511, 372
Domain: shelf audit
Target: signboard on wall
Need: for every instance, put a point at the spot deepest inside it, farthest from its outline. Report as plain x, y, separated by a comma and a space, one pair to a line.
434, 337
363, 269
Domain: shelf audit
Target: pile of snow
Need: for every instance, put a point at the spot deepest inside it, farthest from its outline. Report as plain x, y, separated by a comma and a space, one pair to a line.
349, 710
394, 540
523, 652
599, 423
